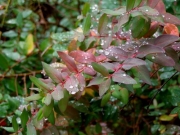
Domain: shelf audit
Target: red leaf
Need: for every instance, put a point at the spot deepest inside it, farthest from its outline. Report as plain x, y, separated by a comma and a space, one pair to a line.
168, 18
69, 62
71, 85
157, 4
104, 86
171, 29
132, 62
176, 46
83, 57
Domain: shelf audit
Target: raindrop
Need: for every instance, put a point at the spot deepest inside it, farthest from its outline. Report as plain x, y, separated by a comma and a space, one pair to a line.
116, 57
106, 53
124, 74
72, 92
147, 10
101, 51
153, 57
71, 87
86, 58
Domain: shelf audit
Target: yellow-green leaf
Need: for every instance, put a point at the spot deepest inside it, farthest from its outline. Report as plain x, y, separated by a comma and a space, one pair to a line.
29, 44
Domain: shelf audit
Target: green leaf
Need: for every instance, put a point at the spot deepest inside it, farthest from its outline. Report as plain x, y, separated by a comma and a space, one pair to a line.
40, 114
87, 24
103, 21
15, 124
33, 97
165, 118
47, 99
19, 19
39, 83
3, 62
51, 118
140, 26
99, 68
62, 104
98, 128
115, 12
124, 95
85, 9
10, 34
31, 129
104, 86
9, 129
52, 73
131, 4
116, 91
24, 118
47, 109
105, 98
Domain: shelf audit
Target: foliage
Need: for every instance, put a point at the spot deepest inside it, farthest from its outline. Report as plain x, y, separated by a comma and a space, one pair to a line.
114, 75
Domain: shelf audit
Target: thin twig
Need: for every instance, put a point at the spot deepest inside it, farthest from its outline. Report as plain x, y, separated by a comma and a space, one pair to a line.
4, 16
158, 90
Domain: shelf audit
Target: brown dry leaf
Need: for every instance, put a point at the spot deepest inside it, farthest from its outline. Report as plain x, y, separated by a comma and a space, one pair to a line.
171, 29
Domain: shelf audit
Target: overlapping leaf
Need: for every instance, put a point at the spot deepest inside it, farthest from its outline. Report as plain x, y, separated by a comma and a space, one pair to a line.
132, 62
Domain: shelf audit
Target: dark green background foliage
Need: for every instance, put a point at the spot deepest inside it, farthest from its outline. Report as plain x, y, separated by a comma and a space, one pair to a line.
36, 32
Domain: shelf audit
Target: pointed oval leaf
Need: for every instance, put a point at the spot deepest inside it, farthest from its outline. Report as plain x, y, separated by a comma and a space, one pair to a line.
15, 124
86, 8
87, 24
53, 73
47, 99
105, 98
47, 109
24, 118
132, 62
29, 44
140, 26
83, 57
69, 62
99, 68
124, 95
148, 49
114, 12
71, 85
161, 59
149, 11
143, 74
104, 86
96, 81
122, 77
39, 83
169, 18
89, 71
165, 40
31, 129
62, 104
130, 4
103, 21
33, 97
166, 118
58, 93
51, 118
176, 46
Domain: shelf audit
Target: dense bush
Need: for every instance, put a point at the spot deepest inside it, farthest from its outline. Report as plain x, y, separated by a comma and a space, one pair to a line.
118, 72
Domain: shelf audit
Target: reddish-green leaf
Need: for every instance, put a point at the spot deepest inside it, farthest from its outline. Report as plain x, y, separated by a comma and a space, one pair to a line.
33, 97
31, 129
169, 18
53, 73
122, 77
83, 57
148, 49
104, 86
39, 84
165, 40
132, 4
96, 81
148, 10
132, 62
87, 24
161, 59
99, 68
103, 21
58, 93
105, 98
71, 85
69, 62
143, 74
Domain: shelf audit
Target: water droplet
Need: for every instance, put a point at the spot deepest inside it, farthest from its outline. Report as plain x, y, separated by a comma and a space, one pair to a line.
72, 92
116, 57
86, 58
124, 74
101, 51
106, 53
71, 87
147, 10
153, 57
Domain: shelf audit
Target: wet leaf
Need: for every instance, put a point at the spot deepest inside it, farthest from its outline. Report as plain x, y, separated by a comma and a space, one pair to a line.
53, 73
130, 4
122, 77
33, 97
39, 84
58, 93
24, 118
83, 57
103, 21
47, 99
114, 12
165, 40
104, 86
124, 95
132, 62
169, 18
47, 109
105, 98
62, 104
31, 129
86, 8
148, 10
148, 49
69, 62
96, 81
15, 124
71, 85
161, 59
99, 68
87, 24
